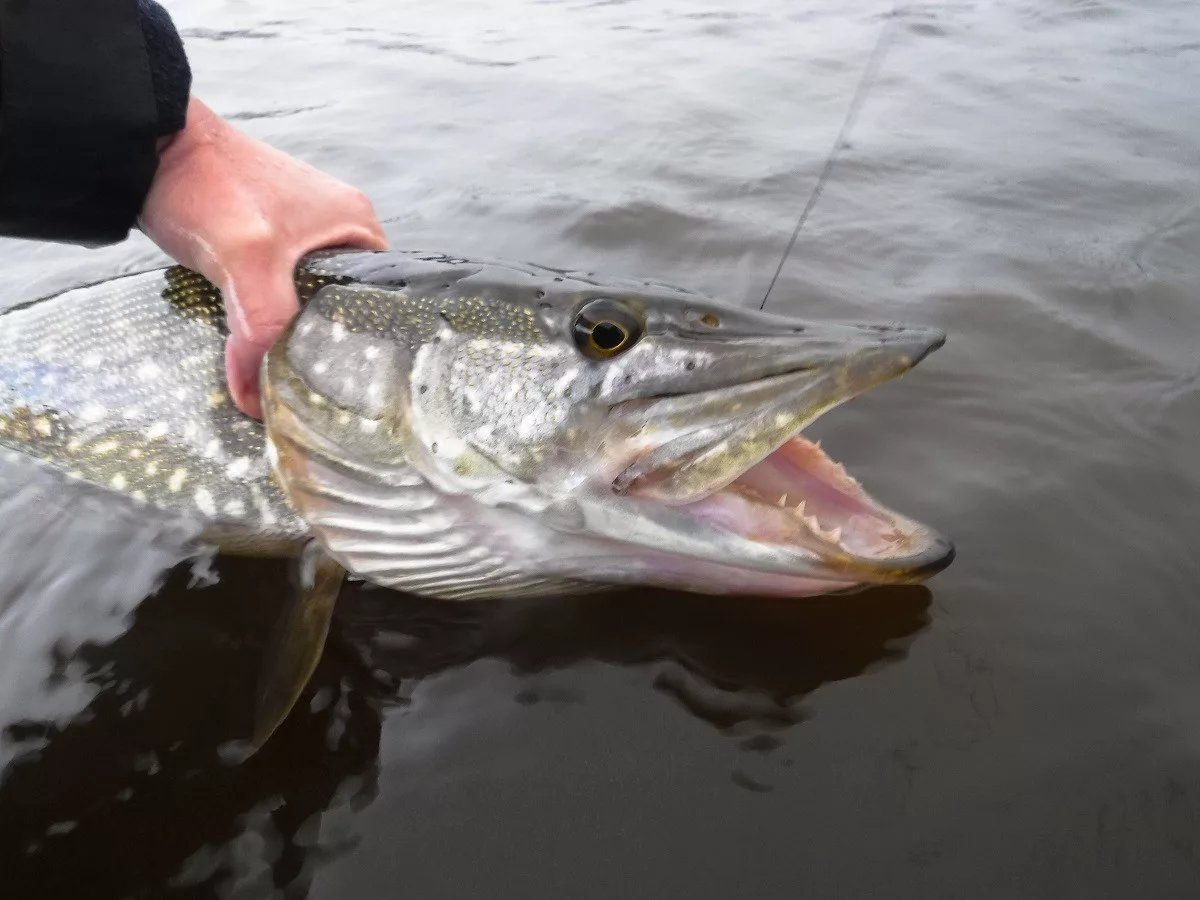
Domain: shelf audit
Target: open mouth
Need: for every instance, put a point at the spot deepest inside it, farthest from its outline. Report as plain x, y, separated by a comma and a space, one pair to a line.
800, 499
732, 459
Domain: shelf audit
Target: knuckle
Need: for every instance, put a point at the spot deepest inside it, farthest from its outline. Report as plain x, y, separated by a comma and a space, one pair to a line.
256, 238
361, 204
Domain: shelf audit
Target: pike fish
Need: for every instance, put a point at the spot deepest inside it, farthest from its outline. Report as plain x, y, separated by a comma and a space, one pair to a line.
468, 429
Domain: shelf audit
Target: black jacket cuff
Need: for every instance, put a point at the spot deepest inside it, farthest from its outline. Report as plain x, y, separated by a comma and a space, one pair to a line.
80, 115
169, 71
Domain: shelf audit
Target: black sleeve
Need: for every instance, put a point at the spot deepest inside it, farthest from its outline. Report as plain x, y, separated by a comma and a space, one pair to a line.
87, 87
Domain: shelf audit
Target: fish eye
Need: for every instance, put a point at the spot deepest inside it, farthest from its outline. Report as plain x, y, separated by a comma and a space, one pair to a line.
604, 328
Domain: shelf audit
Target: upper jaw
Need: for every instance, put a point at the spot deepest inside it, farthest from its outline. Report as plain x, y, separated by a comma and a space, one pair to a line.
696, 442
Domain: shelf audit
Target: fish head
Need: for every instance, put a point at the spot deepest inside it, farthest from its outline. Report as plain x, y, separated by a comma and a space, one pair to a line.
586, 432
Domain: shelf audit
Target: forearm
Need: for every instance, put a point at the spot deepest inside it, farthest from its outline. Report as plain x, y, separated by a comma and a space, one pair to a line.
88, 90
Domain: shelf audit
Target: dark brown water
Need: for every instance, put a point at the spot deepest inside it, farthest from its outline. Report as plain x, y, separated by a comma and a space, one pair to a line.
1024, 174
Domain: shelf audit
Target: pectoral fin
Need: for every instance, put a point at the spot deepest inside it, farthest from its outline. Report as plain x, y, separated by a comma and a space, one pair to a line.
297, 641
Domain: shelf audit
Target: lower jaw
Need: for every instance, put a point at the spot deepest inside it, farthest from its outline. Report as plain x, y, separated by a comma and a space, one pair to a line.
705, 576
684, 573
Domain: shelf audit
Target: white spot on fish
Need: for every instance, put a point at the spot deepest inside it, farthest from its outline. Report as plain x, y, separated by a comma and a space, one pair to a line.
368, 426
212, 448
176, 480
305, 328
260, 502
139, 496
338, 332
42, 424
152, 469
320, 368
204, 501
104, 447
148, 371
119, 482
93, 412
235, 508
91, 360
238, 468
371, 353
156, 431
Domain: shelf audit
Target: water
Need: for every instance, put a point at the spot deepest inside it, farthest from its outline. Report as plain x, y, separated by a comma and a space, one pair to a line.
1024, 174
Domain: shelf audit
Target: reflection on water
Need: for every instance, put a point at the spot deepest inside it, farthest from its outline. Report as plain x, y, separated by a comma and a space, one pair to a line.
170, 702
173, 703
75, 566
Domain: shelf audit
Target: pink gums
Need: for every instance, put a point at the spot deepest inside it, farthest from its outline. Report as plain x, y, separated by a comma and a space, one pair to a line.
800, 497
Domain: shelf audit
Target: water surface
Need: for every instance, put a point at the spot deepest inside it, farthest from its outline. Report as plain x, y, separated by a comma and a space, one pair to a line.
1024, 174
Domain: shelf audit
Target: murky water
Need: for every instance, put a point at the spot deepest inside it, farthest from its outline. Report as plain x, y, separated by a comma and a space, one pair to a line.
1024, 174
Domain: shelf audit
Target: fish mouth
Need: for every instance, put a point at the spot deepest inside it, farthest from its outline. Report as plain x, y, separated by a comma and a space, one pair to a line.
775, 500
801, 500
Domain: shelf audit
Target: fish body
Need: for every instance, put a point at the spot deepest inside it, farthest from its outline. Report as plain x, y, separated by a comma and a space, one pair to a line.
465, 428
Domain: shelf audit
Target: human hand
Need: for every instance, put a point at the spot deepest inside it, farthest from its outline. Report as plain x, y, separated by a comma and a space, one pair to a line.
242, 214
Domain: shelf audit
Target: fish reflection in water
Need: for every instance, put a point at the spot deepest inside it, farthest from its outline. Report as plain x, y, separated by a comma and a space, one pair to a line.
168, 702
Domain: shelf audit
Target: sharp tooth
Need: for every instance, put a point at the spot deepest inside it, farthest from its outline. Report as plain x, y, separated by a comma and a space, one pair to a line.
812, 523
800, 508
783, 499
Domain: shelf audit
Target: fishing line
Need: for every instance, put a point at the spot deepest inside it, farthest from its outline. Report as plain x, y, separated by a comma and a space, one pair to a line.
860, 93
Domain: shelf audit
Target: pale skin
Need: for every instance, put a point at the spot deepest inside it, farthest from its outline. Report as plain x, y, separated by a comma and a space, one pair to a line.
242, 213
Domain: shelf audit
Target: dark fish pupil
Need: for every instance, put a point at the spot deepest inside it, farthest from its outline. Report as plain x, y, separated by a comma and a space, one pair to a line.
608, 336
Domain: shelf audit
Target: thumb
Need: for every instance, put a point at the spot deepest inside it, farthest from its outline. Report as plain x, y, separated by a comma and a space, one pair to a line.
260, 302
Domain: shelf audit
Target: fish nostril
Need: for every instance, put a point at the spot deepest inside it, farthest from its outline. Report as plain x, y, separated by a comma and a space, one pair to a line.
690, 364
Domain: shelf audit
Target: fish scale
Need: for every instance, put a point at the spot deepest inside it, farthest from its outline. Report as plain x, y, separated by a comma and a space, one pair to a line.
122, 384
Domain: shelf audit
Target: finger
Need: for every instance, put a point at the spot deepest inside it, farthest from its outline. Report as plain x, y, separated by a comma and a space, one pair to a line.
260, 302
242, 364
366, 237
